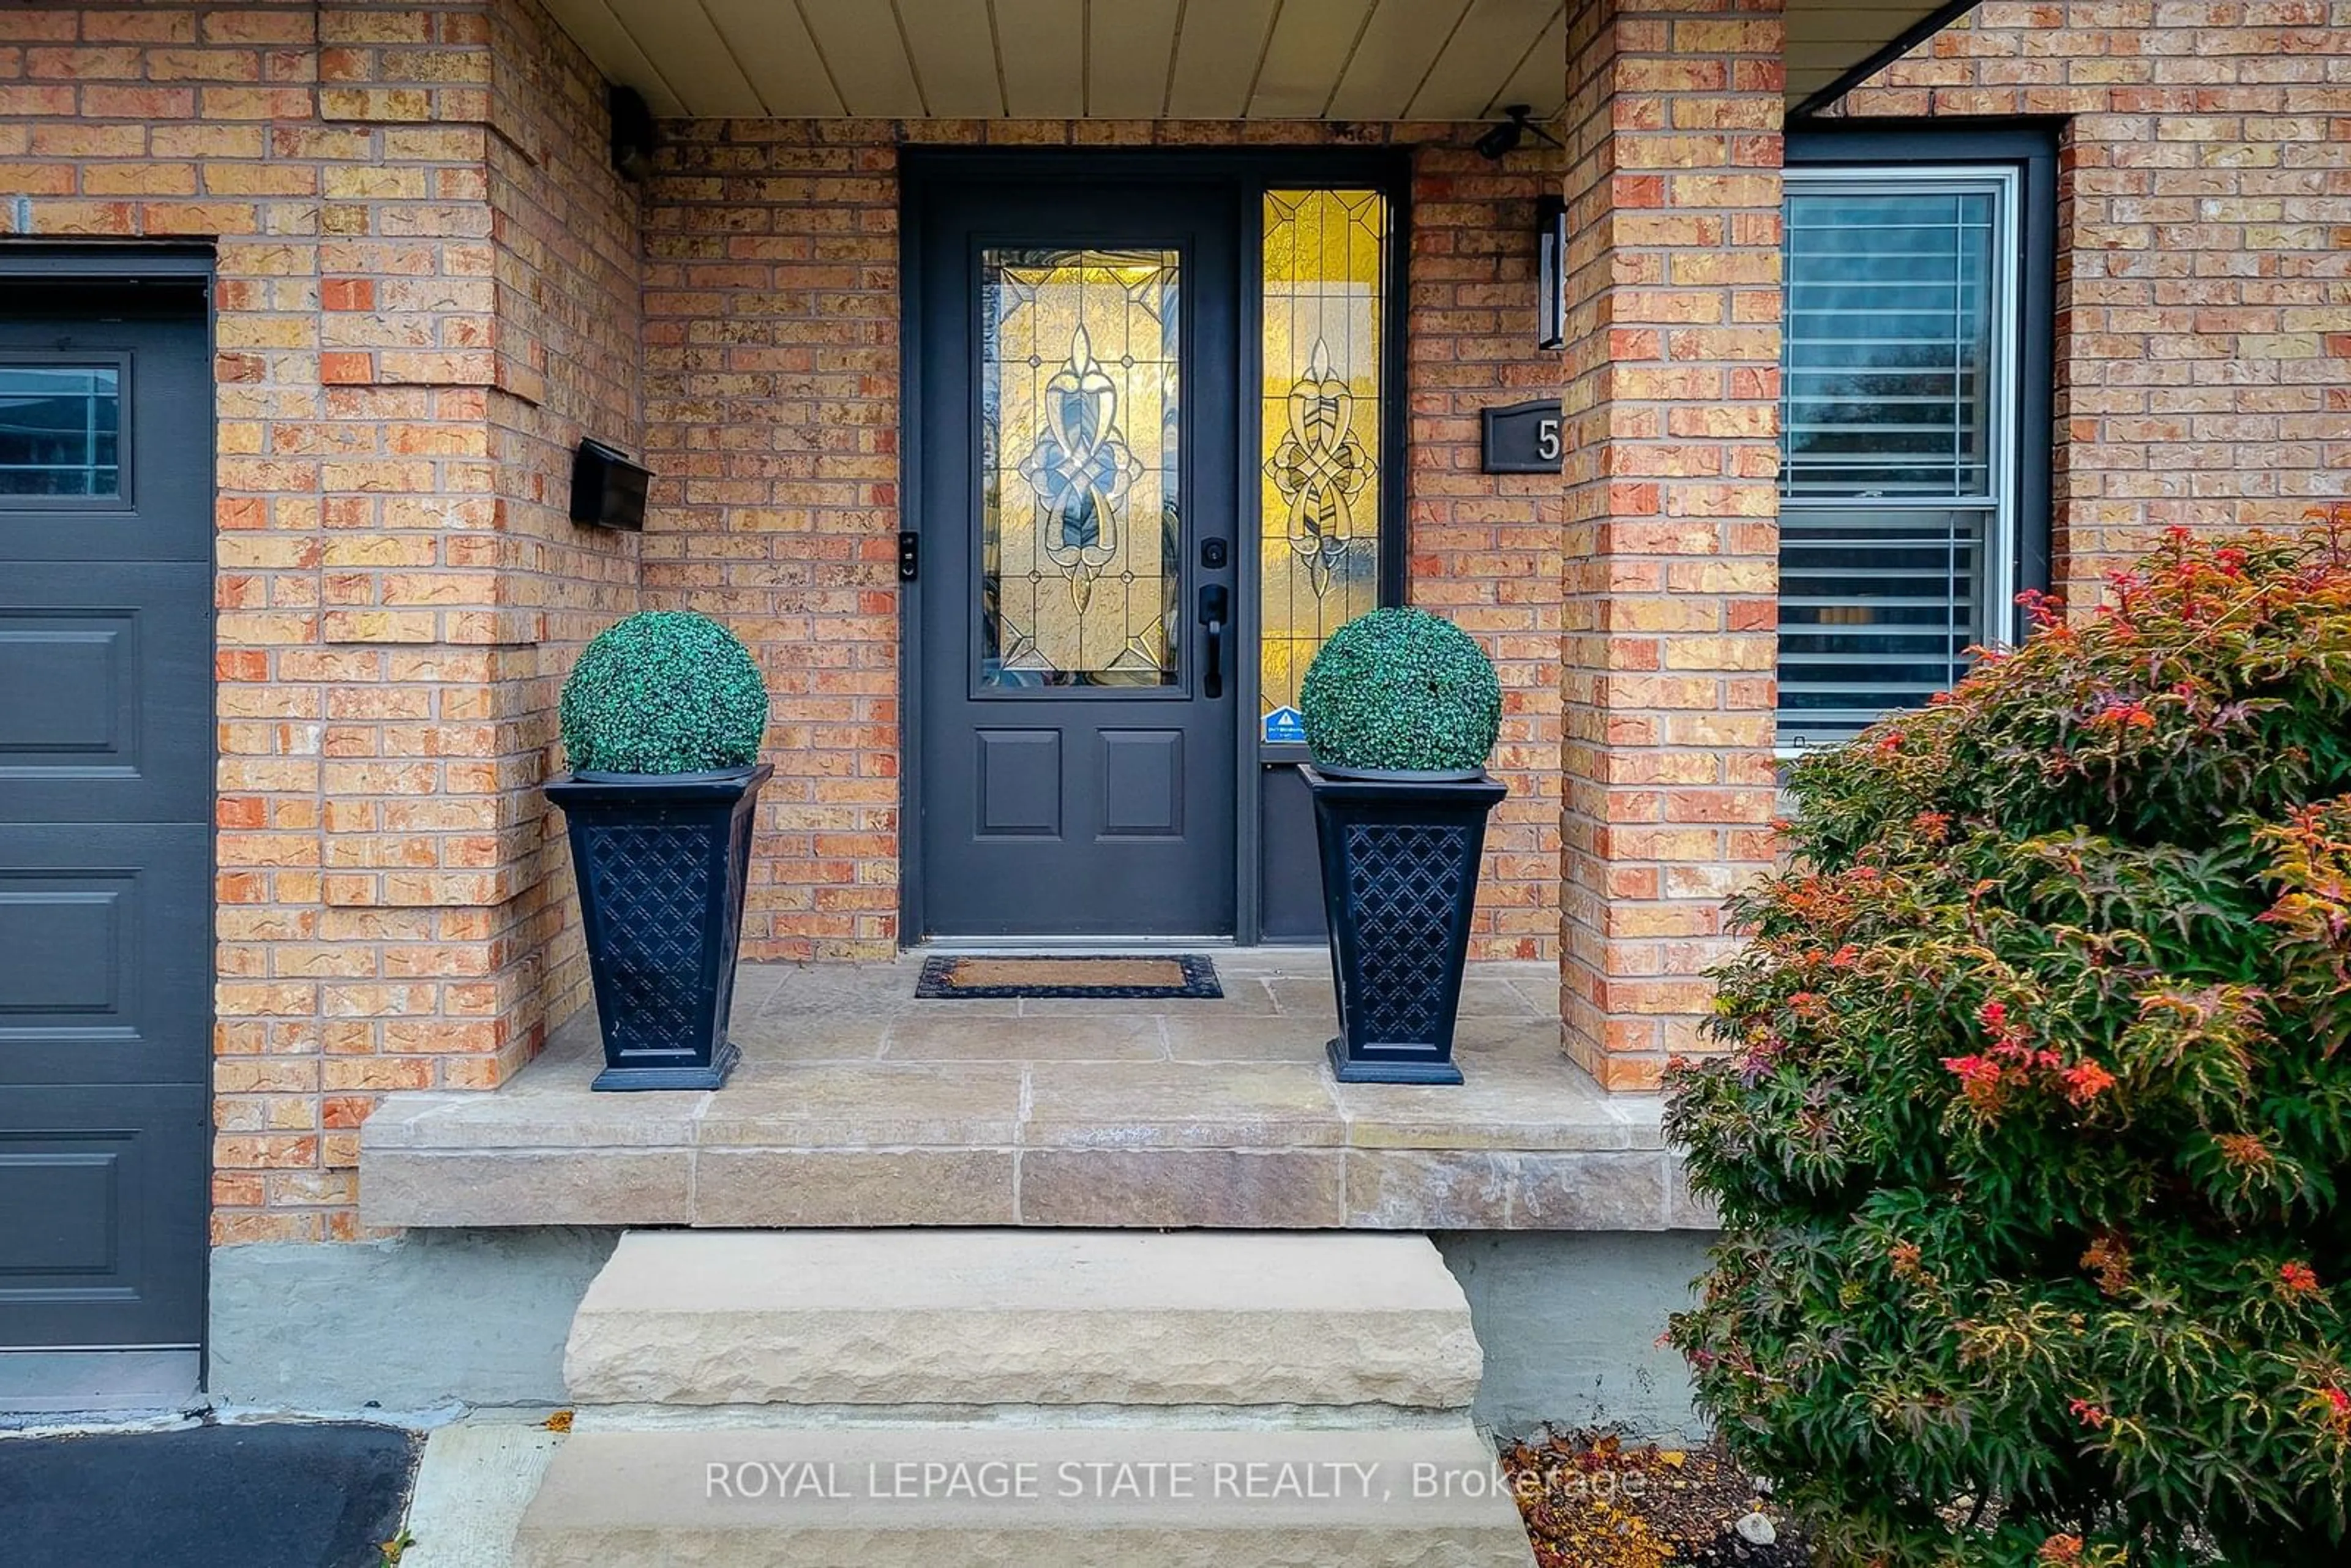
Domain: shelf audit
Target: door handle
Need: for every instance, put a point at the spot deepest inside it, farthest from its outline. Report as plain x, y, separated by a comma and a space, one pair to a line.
1214, 614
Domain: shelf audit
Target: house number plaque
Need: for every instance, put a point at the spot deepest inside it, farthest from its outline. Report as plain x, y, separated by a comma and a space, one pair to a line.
1524, 438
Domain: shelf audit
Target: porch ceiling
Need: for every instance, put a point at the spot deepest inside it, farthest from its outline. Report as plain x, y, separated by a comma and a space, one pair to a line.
1135, 59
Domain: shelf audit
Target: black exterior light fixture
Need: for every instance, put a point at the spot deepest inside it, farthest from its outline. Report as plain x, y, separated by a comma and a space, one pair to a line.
1551, 272
1505, 138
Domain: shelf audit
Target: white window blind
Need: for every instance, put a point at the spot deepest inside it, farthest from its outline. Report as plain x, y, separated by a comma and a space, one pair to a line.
1898, 399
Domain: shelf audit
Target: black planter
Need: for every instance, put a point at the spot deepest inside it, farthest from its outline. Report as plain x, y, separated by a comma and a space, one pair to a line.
1399, 882
661, 860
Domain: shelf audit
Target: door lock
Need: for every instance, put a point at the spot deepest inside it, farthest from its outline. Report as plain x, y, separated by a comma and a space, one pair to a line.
1213, 554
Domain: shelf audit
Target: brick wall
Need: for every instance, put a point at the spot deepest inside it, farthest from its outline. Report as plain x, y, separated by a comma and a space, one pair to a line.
772, 409
1485, 549
2203, 351
1673, 188
425, 288
772, 421
569, 274
429, 286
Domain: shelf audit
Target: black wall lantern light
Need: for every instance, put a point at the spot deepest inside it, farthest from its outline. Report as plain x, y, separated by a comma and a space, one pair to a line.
1551, 272
1551, 223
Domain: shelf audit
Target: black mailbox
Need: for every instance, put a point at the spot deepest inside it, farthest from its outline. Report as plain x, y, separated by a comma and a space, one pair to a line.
607, 491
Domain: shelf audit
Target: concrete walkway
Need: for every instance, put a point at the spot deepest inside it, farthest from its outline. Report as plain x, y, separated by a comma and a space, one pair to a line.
475, 1479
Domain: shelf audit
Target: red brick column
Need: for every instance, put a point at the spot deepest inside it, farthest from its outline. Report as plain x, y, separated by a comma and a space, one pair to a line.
1674, 127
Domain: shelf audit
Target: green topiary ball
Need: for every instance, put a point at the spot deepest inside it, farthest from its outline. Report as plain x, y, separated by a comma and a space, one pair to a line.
1401, 691
664, 691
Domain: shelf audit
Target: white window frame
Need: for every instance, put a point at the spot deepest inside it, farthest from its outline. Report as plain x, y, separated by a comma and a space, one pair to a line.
2002, 550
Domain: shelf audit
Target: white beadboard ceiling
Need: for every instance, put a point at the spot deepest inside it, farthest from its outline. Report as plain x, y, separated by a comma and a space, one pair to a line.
1134, 59
1828, 38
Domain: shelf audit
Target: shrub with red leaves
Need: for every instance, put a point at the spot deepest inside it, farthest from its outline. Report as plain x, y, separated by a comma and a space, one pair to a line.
2033, 1138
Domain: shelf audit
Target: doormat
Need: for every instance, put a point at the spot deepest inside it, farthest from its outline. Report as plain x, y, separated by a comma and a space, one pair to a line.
1118, 979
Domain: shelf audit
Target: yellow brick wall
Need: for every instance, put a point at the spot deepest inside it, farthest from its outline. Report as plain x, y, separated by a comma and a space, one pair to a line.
2203, 351
426, 290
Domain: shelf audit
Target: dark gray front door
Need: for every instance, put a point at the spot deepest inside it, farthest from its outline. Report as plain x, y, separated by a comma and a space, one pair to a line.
1078, 486
106, 791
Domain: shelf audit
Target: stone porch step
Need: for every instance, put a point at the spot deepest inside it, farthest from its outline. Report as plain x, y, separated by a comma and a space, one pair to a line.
858, 1104
956, 1319
1426, 1499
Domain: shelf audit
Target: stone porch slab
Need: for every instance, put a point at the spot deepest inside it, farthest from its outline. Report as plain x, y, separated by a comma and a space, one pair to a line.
858, 1104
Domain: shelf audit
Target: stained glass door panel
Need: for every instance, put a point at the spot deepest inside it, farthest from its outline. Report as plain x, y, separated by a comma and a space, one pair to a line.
1081, 443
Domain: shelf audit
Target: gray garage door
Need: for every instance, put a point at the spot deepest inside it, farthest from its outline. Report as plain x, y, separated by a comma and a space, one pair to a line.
106, 790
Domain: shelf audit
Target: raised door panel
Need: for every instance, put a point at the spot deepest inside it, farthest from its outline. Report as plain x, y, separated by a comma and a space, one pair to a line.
1020, 785
1143, 783
105, 694
101, 1230
105, 954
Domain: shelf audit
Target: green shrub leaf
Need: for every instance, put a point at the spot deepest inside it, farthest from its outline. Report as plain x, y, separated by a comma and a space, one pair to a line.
2031, 1127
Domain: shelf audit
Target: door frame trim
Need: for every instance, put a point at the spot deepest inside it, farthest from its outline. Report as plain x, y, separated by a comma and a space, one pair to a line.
143, 1375
1244, 174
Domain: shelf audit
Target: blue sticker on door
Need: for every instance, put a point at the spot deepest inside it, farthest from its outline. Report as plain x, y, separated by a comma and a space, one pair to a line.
1285, 727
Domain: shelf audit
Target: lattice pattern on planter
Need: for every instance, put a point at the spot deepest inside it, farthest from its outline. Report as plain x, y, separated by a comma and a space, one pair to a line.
654, 882
1403, 879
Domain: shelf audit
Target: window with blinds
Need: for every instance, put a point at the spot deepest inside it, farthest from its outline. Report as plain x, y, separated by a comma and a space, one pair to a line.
1896, 495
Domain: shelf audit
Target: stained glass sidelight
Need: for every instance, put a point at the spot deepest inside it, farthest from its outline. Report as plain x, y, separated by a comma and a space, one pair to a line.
59, 428
1325, 295
1081, 547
